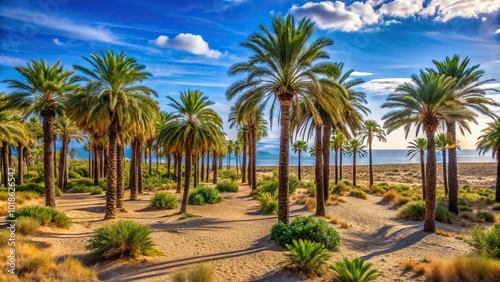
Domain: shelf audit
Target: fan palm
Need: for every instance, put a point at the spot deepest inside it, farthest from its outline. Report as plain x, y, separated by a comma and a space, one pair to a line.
114, 82
312, 151
67, 130
469, 94
42, 93
490, 140
283, 66
371, 129
355, 148
298, 147
423, 103
419, 146
442, 145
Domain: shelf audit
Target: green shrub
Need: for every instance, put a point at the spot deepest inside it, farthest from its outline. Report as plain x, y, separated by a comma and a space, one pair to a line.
228, 174
4, 196
28, 195
293, 183
103, 183
340, 188
121, 239
27, 225
73, 174
227, 185
202, 272
486, 216
268, 203
464, 208
79, 189
486, 243
358, 194
80, 182
412, 211
307, 228
44, 215
164, 201
307, 256
471, 216
203, 195
444, 215
270, 184
95, 190
356, 270
31, 187
58, 192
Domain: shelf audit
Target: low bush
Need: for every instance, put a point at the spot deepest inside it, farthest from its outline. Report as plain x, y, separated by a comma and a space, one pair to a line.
121, 239
103, 183
228, 174
95, 190
444, 215
412, 211
496, 207
203, 195
486, 216
486, 243
31, 187
471, 216
28, 195
164, 201
463, 269
27, 225
340, 188
307, 228
270, 184
306, 256
268, 203
227, 185
358, 193
202, 272
356, 270
80, 182
44, 216
73, 174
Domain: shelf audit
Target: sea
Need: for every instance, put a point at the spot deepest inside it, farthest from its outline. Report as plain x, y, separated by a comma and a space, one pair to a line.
271, 158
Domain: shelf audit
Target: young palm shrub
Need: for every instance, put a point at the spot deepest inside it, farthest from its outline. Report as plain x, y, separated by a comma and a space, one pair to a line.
164, 201
307, 256
227, 185
268, 202
45, 216
355, 270
121, 239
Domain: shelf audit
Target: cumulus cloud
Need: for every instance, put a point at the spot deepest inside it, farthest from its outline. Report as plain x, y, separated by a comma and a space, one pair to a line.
360, 73
11, 61
497, 31
445, 10
191, 43
383, 86
401, 8
58, 42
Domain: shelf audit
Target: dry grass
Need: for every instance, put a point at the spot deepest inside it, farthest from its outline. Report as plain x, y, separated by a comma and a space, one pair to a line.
408, 263
395, 198
311, 204
444, 233
302, 198
345, 225
463, 269
335, 220
202, 272
496, 207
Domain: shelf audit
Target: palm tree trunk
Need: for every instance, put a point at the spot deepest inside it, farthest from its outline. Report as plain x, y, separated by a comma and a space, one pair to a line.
133, 170
354, 168
90, 166
422, 171
250, 157
105, 162
445, 175
187, 171
220, 162
244, 159
178, 170
157, 161
214, 180
150, 152
208, 166
236, 159
318, 171
452, 169
336, 167
60, 178
327, 133
202, 160
5, 160
340, 163
370, 157
430, 187
254, 160
497, 182
55, 155
20, 165
169, 159
284, 161
195, 176
48, 159
140, 183
119, 177
64, 157
112, 160
298, 167
96, 167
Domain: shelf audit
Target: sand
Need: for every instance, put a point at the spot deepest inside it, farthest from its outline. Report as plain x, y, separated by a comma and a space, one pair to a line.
233, 235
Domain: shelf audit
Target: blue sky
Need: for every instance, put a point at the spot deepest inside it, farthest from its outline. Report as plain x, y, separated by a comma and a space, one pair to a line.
190, 44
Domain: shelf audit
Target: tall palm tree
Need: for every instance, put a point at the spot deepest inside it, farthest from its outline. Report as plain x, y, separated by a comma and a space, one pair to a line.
42, 93
298, 147
424, 104
419, 146
193, 123
12, 131
67, 130
115, 84
442, 145
371, 129
337, 145
283, 66
490, 140
355, 148
469, 94
237, 148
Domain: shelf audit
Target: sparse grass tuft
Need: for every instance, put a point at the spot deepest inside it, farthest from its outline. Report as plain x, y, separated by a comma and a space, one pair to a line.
496, 207
463, 269
358, 194
27, 225
202, 272
408, 263
268, 202
311, 204
188, 215
486, 216
444, 233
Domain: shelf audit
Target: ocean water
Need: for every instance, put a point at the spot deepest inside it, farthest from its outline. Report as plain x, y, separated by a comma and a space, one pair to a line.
266, 158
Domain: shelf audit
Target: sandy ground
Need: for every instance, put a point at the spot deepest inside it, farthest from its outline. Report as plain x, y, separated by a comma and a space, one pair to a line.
233, 235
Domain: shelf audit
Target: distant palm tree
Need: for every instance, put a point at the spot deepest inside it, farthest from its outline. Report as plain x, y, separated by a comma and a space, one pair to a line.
490, 140
442, 146
298, 147
312, 151
282, 67
12, 131
355, 148
43, 93
371, 129
72, 153
337, 145
424, 103
67, 130
237, 148
469, 94
419, 146
230, 149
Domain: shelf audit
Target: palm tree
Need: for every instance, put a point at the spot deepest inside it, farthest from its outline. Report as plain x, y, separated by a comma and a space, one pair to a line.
193, 123
114, 82
283, 66
424, 104
371, 129
298, 147
237, 151
12, 131
355, 148
42, 93
490, 140
67, 130
312, 151
72, 153
418, 146
468, 94
337, 145
442, 145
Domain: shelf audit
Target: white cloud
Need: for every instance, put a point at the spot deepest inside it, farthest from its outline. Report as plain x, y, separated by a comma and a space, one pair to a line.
445, 10
11, 61
389, 22
359, 73
483, 19
383, 86
68, 27
401, 8
58, 42
497, 31
187, 42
